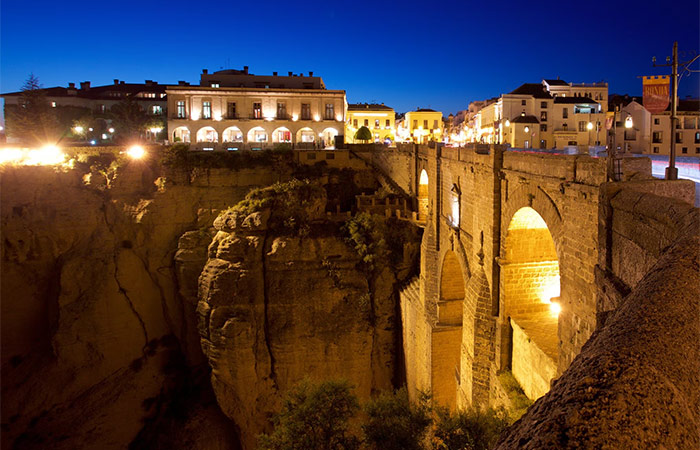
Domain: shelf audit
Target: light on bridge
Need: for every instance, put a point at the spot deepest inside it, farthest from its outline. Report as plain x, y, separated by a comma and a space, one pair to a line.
136, 152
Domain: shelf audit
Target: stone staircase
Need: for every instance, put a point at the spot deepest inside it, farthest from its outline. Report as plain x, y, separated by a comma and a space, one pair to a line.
411, 290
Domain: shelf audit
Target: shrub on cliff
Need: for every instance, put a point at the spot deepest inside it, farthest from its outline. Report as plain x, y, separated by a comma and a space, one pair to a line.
293, 204
314, 417
394, 423
471, 429
179, 156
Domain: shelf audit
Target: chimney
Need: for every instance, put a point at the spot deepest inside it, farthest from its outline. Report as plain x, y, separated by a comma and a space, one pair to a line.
245, 70
182, 83
71, 85
150, 82
289, 74
274, 74
205, 71
116, 81
311, 74
122, 82
85, 85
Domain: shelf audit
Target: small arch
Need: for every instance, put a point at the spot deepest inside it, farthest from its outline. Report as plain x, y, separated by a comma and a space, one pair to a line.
306, 135
531, 293
328, 137
232, 134
257, 134
207, 134
181, 134
282, 134
423, 195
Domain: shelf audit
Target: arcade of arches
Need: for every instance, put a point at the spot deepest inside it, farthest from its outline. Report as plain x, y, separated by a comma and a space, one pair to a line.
423, 192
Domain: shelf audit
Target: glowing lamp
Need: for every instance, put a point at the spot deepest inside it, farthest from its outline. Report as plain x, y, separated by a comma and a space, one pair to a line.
628, 122
155, 130
47, 155
554, 309
317, 118
136, 152
194, 116
507, 122
589, 126
78, 129
111, 130
217, 117
527, 129
339, 117
295, 117
10, 155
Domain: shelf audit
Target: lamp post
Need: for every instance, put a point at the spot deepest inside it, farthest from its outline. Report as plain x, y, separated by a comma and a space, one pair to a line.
612, 150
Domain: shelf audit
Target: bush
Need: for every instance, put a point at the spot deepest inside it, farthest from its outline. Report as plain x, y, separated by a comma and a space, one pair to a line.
394, 423
470, 429
314, 417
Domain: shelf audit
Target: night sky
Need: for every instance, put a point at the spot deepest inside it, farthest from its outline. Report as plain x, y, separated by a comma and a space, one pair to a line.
406, 54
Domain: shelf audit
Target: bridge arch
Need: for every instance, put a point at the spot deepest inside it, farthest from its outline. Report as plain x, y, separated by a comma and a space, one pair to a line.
446, 336
530, 292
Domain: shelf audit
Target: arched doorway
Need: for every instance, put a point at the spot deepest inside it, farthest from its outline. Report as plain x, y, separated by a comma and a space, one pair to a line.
207, 134
328, 137
423, 192
257, 134
281, 135
181, 134
447, 335
232, 134
531, 289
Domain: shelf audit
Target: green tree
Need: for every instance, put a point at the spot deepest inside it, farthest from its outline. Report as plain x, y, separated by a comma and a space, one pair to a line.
314, 417
363, 134
470, 429
394, 423
33, 120
129, 120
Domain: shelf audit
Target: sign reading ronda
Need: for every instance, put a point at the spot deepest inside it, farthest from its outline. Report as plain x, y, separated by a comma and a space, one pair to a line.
656, 93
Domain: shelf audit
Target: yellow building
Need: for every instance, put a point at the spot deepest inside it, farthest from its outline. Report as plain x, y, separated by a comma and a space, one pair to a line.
380, 119
423, 125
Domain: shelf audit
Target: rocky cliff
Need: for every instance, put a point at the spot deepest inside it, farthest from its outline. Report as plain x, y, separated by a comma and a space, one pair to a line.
95, 338
283, 296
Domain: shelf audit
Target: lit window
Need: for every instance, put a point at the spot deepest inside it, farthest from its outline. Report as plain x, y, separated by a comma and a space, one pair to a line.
657, 137
376, 123
543, 105
181, 109
206, 110
53, 104
156, 110
425, 124
388, 123
330, 114
697, 138
366, 122
354, 123
306, 112
215, 85
543, 116
543, 127
257, 110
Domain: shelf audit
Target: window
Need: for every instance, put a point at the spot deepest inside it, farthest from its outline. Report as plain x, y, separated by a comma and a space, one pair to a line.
354, 123
376, 123
657, 137
215, 85
330, 114
306, 111
565, 113
53, 104
697, 149
565, 126
149, 94
543, 127
388, 123
656, 149
415, 124
231, 110
181, 109
697, 138
366, 122
679, 137
257, 110
684, 150
656, 121
206, 110
156, 110
581, 126
543, 105
435, 125
543, 116
425, 124
281, 110
543, 143
523, 102
102, 108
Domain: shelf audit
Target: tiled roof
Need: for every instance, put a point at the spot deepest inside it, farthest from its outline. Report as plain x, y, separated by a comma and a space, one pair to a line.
556, 82
534, 89
525, 119
369, 106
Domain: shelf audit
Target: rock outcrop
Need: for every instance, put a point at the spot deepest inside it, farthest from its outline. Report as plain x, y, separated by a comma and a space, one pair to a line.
281, 298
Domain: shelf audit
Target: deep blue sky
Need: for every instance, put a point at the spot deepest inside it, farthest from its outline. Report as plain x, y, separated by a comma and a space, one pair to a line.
406, 54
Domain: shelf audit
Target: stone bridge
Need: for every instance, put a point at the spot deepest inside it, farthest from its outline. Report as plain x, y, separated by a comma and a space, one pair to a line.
508, 266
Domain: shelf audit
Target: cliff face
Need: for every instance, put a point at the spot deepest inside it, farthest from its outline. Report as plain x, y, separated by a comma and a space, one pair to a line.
94, 333
276, 306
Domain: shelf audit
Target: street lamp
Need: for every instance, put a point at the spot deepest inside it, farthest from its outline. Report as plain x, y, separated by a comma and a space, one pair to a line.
612, 151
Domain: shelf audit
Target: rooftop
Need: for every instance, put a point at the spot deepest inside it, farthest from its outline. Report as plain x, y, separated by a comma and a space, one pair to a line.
525, 119
573, 100
536, 90
368, 106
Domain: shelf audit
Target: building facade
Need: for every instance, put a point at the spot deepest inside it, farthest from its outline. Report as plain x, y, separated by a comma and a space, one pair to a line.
632, 124
687, 130
422, 126
379, 119
551, 114
233, 109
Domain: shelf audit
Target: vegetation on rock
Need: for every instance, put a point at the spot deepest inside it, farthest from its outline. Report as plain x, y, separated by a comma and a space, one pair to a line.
179, 156
314, 417
394, 423
472, 429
